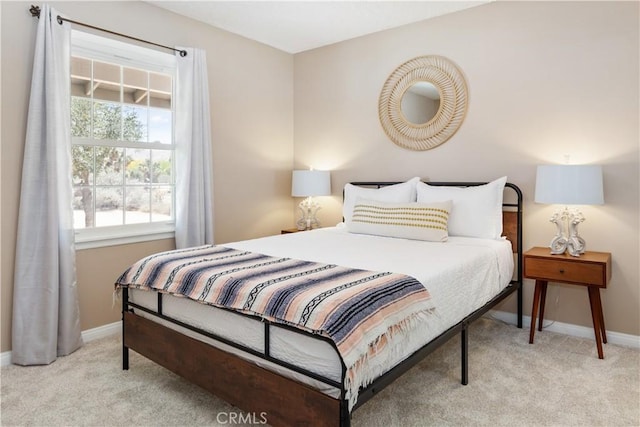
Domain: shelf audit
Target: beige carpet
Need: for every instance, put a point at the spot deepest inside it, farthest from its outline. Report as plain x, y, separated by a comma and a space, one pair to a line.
558, 381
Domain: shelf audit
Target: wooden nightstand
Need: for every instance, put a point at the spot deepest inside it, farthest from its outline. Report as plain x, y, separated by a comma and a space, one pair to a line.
290, 230
592, 269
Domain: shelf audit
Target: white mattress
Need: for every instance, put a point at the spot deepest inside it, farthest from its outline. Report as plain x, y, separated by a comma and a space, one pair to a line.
462, 275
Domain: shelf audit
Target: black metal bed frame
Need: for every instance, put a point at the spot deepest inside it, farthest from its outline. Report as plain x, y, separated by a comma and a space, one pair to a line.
381, 382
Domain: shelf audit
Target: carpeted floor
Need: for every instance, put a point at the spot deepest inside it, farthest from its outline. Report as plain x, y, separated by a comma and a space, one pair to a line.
558, 381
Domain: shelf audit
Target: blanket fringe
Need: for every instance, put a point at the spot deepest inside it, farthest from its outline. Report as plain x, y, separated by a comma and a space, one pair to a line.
384, 352
116, 297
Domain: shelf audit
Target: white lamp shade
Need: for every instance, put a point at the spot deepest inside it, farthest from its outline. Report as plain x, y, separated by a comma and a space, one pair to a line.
569, 185
310, 183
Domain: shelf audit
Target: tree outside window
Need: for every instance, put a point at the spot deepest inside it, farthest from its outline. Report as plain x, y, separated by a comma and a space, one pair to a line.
120, 177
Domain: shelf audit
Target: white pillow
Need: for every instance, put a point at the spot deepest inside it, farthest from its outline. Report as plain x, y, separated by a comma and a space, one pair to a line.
476, 212
404, 192
417, 221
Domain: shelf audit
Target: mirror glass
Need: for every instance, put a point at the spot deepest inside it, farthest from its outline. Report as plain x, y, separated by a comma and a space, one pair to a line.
420, 102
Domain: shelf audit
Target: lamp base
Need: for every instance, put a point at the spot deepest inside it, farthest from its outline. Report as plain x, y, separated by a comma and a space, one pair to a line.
308, 208
573, 243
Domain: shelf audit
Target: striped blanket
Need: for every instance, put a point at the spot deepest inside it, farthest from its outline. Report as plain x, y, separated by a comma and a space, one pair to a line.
359, 310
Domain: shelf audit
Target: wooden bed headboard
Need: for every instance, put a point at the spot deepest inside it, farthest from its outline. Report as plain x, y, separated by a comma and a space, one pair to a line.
511, 209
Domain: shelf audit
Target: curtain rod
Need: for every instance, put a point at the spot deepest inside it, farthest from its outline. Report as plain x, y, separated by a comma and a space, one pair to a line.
35, 12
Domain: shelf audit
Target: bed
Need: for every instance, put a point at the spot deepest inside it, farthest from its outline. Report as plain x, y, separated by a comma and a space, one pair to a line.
292, 376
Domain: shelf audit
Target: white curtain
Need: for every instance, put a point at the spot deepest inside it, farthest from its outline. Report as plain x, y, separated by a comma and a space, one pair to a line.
194, 188
46, 321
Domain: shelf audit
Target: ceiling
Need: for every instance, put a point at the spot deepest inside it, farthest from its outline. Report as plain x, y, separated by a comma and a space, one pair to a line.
296, 26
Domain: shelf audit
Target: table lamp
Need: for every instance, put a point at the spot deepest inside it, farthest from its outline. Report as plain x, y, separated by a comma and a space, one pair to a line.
568, 185
309, 184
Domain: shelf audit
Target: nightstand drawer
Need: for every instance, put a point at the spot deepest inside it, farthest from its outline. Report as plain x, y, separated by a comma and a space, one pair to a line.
565, 271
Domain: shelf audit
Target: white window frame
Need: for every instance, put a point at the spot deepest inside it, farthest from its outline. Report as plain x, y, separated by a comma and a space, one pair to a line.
130, 55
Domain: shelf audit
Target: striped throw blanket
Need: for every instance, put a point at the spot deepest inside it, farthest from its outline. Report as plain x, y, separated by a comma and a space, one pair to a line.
359, 310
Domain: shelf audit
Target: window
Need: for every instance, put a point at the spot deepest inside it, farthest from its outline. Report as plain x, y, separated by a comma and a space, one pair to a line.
122, 115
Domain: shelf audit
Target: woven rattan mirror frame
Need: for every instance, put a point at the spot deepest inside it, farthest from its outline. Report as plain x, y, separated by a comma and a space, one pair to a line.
449, 81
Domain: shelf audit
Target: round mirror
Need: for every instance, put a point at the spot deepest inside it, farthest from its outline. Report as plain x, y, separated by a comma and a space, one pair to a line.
420, 103
408, 118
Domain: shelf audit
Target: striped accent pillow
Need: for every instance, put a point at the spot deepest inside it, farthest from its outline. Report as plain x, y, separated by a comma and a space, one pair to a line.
417, 221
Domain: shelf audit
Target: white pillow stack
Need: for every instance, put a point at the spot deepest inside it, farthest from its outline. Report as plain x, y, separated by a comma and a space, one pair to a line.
474, 211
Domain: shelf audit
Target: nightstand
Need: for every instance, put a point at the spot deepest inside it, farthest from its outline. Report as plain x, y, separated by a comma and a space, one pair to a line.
591, 269
290, 230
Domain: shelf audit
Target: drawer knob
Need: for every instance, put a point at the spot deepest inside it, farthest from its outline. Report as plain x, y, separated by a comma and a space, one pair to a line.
562, 270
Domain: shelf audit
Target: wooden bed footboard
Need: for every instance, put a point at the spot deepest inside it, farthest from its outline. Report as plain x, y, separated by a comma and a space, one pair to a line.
258, 391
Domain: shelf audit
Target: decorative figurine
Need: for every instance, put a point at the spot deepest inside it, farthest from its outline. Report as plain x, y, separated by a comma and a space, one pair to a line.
572, 243
576, 244
559, 242
308, 209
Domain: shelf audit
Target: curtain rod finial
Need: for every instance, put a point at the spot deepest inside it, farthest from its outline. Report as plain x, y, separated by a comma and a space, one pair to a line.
35, 11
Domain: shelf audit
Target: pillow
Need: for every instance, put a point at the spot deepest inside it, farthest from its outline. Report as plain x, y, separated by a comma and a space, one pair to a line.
476, 212
417, 221
404, 192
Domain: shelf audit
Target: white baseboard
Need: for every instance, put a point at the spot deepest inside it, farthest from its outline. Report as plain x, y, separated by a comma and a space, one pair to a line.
102, 331
5, 358
87, 336
617, 338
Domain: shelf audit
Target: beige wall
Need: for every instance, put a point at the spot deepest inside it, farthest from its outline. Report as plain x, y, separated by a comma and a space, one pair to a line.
252, 127
545, 79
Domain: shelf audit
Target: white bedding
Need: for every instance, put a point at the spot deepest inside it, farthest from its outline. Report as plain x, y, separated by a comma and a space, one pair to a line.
462, 275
